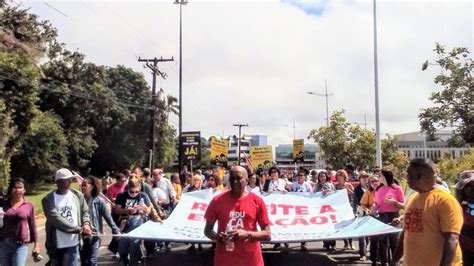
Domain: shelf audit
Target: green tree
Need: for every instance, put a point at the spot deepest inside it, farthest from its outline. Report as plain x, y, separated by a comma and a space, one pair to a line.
332, 140
454, 100
451, 168
126, 143
43, 150
342, 143
24, 41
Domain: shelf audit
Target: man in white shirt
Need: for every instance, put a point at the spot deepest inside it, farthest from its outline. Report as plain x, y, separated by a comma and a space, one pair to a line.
165, 186
67, 217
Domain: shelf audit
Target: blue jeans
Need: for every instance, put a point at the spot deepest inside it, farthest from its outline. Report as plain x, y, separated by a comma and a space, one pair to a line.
12, 254
130, 246
90, 251
65, 257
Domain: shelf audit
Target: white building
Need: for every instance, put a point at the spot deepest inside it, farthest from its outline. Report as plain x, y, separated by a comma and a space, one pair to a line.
245, 143
415, 144
312, 157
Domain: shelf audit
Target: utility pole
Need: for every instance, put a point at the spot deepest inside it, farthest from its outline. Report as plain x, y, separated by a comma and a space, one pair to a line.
180, 98
240, 137
152, 64
365, 122
325, 95
294, 128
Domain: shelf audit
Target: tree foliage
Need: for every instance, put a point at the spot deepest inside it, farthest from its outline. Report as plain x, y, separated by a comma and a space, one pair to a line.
342, 143
451, 168
43, 150
454, 100
57, 110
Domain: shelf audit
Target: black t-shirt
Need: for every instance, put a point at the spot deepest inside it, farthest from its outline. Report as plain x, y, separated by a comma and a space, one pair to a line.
126, 201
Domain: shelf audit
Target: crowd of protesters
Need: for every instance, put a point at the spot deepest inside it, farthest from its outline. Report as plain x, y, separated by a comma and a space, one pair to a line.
74, 218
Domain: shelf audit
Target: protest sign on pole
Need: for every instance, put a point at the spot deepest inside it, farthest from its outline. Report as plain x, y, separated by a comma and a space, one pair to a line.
219, 151
261, 156
190, 146
298, 150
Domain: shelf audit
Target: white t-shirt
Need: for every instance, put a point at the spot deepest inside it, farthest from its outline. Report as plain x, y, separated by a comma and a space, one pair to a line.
167, 187
255, 189
277, 185
68, 210
160, 195
305, 187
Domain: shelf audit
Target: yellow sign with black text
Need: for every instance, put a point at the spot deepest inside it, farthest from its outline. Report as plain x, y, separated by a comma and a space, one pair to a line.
261, 156
298, 150
219, 151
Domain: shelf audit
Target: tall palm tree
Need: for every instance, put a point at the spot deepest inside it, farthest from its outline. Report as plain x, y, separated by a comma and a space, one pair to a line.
171, 106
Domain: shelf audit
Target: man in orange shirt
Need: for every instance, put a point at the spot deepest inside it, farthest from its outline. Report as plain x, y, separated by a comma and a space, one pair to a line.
432, 221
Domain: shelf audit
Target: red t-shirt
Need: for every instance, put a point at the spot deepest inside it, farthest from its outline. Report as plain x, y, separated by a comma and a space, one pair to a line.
114, 190
243, 213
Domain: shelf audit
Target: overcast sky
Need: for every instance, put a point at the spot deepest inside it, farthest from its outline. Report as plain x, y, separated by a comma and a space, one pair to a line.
254, 61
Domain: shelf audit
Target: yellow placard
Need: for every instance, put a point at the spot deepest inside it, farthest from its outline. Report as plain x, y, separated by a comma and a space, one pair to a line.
298, 150
219, 151
261, 156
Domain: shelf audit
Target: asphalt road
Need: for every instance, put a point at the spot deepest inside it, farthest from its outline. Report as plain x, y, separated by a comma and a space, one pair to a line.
178, 255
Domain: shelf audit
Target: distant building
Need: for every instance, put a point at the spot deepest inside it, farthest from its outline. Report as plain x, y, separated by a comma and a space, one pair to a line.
245, 144
312, 157
415, 144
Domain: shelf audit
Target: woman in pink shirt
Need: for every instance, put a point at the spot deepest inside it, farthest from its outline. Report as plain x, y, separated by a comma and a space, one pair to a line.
389, 200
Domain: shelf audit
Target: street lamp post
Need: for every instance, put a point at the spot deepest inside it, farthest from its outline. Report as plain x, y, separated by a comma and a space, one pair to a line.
240, 136
180, 127
378, 147
325, 95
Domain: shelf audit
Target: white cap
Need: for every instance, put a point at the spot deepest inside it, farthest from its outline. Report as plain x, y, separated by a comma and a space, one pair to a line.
63, 173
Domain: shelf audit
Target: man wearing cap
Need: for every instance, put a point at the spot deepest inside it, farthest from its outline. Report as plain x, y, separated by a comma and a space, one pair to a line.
465, 195
432, 220
67, 217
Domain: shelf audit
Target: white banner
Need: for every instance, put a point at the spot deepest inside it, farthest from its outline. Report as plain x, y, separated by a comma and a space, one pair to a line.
294, 217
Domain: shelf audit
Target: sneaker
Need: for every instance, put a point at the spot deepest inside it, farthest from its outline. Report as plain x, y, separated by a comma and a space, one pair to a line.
346, 246
363, 258
352, 247
116, 256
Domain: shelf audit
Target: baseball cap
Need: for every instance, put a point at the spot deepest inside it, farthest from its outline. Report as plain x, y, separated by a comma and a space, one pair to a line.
464, 178
63, 173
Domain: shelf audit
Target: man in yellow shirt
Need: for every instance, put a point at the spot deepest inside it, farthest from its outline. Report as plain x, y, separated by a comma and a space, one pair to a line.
432, 221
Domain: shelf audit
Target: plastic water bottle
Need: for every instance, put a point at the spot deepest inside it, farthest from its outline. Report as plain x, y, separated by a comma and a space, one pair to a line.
375, 210
229, 243
141, 204
2, 213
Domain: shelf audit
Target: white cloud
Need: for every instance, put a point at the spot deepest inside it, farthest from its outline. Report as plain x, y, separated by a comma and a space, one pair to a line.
253, 62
